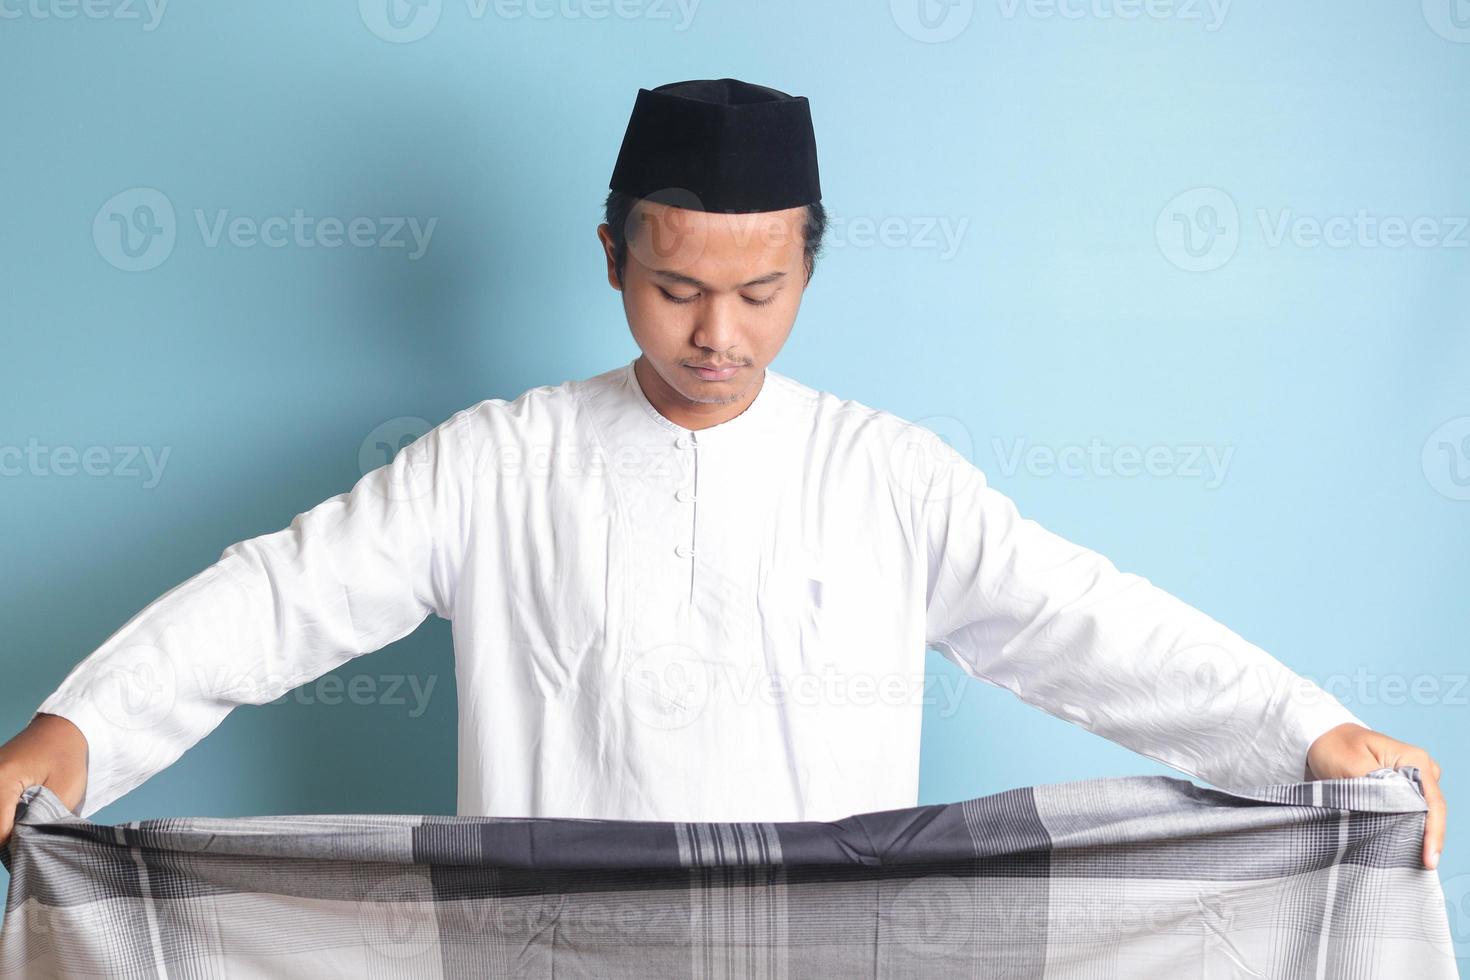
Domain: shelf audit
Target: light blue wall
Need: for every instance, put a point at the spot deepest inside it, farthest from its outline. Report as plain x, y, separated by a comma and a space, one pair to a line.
1008, 185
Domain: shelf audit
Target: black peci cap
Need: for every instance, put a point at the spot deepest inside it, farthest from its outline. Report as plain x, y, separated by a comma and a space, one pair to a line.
719, 145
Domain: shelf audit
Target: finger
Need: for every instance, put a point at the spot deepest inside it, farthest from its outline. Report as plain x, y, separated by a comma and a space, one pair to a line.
10, 790
1434, 821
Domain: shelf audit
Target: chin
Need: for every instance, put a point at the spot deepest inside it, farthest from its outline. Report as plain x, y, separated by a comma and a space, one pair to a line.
705, 396
714, 392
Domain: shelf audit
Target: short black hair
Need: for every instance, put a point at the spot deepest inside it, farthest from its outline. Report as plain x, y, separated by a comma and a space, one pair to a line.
619, 207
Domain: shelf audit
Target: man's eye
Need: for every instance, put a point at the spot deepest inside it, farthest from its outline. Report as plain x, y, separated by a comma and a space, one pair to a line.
677, 299
760, 302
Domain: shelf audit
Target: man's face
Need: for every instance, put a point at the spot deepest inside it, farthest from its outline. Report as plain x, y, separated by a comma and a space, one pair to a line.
707, 289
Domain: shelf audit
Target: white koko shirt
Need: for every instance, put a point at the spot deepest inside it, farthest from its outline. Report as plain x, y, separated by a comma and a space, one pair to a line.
721, 624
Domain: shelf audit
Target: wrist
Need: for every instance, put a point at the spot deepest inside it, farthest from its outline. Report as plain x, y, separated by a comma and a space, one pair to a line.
1324, 741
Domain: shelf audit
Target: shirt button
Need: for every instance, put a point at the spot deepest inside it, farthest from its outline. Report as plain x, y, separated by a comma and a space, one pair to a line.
684, 551
684, 495
683, 442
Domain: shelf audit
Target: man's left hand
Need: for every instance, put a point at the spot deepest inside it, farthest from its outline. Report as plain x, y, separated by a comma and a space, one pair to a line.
1351, 750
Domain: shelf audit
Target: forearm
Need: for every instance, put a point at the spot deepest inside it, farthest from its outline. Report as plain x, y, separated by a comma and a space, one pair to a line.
51, 752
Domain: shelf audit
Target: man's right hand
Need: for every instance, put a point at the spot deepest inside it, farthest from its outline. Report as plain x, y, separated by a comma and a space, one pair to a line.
50, 752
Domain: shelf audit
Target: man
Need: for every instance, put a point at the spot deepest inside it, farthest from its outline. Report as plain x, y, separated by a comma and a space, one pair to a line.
692, 588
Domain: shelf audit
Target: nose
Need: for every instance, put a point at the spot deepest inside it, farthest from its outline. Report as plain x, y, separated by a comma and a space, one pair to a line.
718, 327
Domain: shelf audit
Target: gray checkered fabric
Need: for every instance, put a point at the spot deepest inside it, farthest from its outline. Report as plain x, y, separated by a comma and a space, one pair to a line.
1143, 876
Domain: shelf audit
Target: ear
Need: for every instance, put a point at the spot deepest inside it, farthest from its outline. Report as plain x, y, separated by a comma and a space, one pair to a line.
607, 251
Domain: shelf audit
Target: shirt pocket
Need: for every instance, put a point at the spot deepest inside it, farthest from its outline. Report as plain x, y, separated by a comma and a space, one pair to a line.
793, 602
839, 615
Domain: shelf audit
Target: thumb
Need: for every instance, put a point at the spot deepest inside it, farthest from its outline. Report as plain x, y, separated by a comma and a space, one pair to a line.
11, 789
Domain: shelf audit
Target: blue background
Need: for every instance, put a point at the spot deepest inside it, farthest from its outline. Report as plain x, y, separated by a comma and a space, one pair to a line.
1067, 150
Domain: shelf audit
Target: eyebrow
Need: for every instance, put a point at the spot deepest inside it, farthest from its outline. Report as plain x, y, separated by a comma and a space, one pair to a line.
671, 276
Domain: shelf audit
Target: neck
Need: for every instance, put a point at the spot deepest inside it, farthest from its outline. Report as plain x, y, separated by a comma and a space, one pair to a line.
682, 411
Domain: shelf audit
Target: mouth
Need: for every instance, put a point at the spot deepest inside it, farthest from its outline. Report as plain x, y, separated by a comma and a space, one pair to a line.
714, 374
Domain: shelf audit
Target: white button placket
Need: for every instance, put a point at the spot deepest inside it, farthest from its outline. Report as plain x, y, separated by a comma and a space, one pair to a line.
689, 495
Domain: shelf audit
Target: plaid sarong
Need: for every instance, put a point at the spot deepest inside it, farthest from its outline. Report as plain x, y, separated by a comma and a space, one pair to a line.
1142, 876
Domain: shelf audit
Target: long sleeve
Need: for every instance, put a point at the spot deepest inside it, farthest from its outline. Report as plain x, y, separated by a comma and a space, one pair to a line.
1014, 604
347, 577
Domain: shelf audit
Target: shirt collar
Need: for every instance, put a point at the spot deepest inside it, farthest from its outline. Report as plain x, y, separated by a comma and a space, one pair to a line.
754, 419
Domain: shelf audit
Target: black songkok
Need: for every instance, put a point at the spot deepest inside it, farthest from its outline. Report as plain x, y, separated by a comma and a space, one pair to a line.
719, 145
